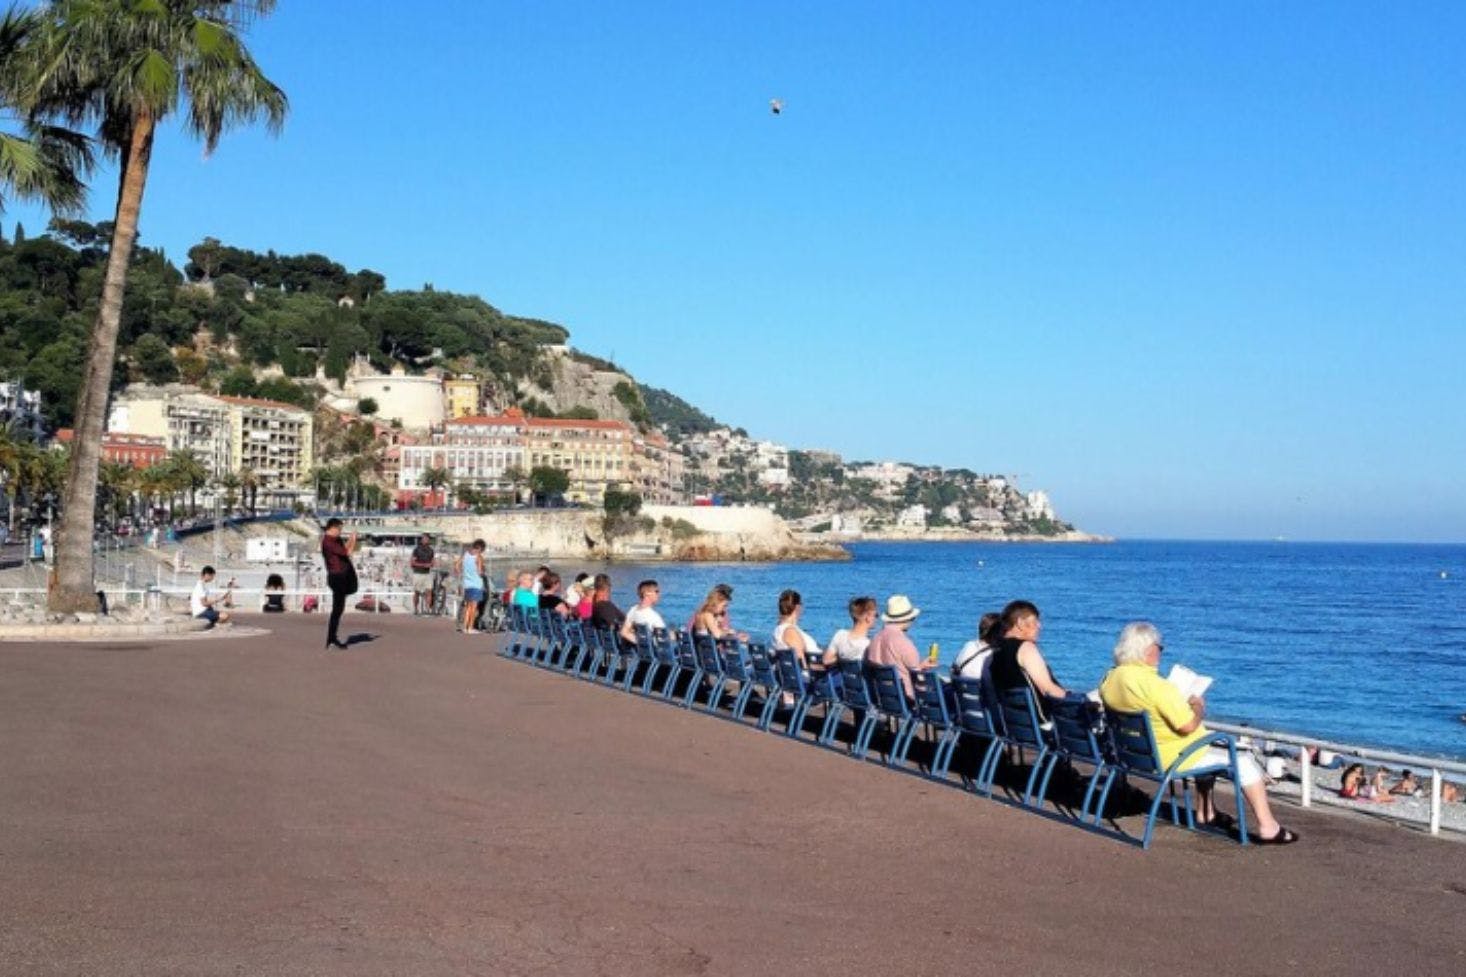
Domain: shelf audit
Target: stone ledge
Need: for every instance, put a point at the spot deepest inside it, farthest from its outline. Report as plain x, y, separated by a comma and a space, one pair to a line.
107, 631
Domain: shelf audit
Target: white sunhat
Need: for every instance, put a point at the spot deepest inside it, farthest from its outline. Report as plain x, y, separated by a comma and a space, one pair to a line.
899, 610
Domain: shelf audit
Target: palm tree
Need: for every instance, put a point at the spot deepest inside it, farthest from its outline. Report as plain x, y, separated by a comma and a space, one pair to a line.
436, 478
189, 474
41, 162
229, 482
249, 484
116, 482
126, 66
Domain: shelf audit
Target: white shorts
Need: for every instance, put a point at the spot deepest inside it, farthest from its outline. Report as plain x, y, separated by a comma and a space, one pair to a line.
1248, 772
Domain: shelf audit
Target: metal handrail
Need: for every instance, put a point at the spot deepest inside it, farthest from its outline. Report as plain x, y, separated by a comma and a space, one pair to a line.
1436, 765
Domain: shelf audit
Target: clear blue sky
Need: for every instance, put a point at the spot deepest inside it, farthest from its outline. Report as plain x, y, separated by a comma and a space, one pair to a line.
1197, 272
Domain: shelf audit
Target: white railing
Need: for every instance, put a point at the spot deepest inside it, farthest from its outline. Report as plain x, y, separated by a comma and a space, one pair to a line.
1438, 766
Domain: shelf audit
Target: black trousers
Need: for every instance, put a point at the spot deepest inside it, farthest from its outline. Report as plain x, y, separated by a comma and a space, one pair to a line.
338, 607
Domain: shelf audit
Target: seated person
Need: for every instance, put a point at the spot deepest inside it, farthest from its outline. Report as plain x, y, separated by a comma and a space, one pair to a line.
849, 644
525, 594
604, 614
1355, 787
1135, 685
205, 601
550, 599
1016, 660
274, 594
893, 646
645, 612
788, 635
975, 658
711, 616
1407, 786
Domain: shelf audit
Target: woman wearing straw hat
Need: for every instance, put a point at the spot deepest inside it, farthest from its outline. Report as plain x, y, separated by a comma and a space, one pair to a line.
892, 646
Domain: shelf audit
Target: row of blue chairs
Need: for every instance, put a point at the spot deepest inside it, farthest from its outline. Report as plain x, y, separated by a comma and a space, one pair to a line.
696, 671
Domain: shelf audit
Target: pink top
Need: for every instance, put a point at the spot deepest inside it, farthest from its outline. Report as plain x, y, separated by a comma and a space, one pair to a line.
891, 646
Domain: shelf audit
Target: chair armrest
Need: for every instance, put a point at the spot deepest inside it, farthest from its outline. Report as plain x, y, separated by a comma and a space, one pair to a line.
1215, 739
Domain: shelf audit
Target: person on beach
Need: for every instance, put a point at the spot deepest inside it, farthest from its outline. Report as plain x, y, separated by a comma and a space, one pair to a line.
849, 644
1017, 662
724, 619
421, 564
204, 602
604, 614
893, 646
1356, 786
274, 594
340, 577
645, 612
1135, 685
470, 569
788, 635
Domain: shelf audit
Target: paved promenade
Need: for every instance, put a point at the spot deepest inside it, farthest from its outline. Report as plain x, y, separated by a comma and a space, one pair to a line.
418, 806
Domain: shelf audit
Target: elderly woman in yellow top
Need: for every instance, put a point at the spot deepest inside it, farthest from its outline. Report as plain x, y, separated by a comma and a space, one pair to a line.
1135, 685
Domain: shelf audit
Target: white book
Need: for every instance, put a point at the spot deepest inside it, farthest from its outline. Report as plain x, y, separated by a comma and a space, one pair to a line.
1191, 684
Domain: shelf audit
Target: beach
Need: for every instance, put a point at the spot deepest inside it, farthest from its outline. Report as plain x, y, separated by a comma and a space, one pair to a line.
420, 805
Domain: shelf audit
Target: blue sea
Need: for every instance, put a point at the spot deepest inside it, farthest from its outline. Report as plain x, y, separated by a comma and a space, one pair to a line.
1364, 643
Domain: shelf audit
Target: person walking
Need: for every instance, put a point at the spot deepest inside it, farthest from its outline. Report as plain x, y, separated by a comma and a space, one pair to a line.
340, 576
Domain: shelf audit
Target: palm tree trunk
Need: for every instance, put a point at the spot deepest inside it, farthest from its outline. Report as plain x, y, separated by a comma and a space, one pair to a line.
70, 586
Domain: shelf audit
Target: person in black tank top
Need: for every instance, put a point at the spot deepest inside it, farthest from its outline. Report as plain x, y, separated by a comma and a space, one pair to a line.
1021, 623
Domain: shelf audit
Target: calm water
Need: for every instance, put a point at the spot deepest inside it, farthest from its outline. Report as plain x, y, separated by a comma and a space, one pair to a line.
1365, 643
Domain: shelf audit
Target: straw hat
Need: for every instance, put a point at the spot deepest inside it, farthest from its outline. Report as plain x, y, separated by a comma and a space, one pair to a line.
899, 610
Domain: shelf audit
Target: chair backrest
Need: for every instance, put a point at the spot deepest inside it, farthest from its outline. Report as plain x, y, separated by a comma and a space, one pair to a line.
791, 676
823, 685
1074, 732
534, 619
575, 633
1020, 717
890, 691
516, 618
643, 642
1133, 741
931, 698
707, 653
556, 625
686, 653
664, 647
972, 713
609, 641
854, 692
762, 666
735, 659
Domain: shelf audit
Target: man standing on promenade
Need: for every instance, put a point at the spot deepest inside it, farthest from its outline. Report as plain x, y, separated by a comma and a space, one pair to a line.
340, 576
422, 575
647, 594
892, 646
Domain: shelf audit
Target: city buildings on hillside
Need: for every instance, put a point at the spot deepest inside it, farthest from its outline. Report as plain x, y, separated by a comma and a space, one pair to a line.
134, 450
274, 441
271, 439
20, 412
462, 397
479, 452
496, 453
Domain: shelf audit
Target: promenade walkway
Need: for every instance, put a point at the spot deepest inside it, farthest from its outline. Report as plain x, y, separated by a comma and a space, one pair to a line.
418, 806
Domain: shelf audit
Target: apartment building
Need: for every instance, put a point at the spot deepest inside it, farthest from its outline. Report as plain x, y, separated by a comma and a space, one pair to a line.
462, 397
134, 450
184, 418
660, 469
476, 450
274, 441
595, 454
20, 412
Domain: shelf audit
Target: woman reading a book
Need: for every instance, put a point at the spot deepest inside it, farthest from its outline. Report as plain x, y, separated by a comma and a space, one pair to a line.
1135, 685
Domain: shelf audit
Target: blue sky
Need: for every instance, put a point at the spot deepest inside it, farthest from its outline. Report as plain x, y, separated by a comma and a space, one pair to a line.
1196, 272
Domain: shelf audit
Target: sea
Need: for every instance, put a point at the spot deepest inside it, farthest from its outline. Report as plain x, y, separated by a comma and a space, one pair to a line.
1361, 643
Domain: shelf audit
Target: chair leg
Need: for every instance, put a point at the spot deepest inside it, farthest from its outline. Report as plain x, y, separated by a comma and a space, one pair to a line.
1104, 796
861, 746
946, 747
1033, 774
692, 686
715, 694
740, 703
988, 772
901, 745
795, 725
1155, 808
650, 677
831, 724
770, 707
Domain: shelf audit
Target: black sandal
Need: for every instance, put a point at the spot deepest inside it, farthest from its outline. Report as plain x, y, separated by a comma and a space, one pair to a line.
1222, 821
1283, 837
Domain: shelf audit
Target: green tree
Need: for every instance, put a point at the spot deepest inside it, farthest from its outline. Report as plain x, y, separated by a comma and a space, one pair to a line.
126, 66
367, 406
621, 509
436, 479
154, 360
546, 481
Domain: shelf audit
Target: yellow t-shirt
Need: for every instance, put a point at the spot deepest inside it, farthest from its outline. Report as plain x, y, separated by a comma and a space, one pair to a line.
1138, 687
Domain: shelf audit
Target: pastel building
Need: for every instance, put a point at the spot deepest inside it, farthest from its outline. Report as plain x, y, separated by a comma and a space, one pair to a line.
462, 397
476, 451
186, 420
133, 450
274, 441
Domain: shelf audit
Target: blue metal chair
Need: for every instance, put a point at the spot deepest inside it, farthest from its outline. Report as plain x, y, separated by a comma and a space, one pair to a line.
855, 696
539, 634
517, 630
589, 663
711, 663
766, 680
664, 650
688, 659
617, 657
823, 688
975, 719
1026, 730
934, 710
643, 659
738, 668
1076, 740
577, 646
890, 699
1136, 755
792, 682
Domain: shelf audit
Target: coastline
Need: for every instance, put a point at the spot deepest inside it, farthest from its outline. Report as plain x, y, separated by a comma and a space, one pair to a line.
956, 536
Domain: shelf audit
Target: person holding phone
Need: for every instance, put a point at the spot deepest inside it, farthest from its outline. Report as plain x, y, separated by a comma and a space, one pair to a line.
340, 576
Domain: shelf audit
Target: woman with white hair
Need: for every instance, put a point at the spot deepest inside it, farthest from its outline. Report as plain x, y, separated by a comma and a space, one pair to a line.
1135, 685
